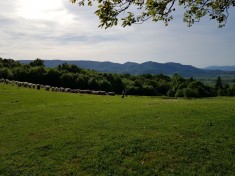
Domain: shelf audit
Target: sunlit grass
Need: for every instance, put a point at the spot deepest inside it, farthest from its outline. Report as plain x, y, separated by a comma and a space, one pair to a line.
48, 133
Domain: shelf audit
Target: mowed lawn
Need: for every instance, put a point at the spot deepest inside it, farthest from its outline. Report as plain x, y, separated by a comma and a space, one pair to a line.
48, 133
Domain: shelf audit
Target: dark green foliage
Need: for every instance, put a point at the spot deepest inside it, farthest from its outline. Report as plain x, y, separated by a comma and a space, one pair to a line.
69, 68
179, 93
171, 93
191, 92
131, 11
116, 82
6, 73
223, 90
82, 82
231, 90
37, 74
9, 63
105, 85
218, 84
37, 63
71, 76
67, 80
53, 77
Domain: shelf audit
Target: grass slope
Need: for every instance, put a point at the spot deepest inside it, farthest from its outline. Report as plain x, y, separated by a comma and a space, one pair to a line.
48, 133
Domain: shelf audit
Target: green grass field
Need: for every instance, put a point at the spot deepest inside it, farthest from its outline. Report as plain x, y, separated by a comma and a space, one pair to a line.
48, 133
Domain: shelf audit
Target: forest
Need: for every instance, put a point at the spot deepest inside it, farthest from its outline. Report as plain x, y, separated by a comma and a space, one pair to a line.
71, 76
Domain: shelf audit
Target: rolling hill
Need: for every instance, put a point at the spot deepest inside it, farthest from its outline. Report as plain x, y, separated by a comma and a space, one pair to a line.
149, 67
223, 68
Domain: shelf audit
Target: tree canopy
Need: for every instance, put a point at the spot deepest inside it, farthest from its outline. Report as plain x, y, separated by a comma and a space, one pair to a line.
38, 62
71, 76
139, 11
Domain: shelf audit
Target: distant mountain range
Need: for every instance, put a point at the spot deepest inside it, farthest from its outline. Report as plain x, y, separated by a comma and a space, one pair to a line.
143, 68
223, 68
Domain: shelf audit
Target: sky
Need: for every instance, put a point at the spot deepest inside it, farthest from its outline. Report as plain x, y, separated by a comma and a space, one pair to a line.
57, 29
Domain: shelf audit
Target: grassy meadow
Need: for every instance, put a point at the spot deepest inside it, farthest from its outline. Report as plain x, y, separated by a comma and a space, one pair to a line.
53, 133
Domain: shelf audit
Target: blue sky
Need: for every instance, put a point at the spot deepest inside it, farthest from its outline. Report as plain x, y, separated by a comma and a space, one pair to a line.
57, 29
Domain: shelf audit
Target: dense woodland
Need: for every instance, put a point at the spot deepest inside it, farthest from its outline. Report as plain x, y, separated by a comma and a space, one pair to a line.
73, 77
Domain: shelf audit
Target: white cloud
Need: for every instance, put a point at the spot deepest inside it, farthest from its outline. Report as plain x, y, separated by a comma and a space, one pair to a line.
57, 29
34, 9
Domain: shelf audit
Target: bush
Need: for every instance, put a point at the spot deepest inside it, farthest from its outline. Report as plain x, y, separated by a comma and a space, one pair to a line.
179, 93
188, 92
150, 91
171, 93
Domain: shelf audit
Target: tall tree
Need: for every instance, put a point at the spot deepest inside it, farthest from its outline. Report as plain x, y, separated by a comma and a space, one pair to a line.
37, 63
218, 83
139, 11
219, 87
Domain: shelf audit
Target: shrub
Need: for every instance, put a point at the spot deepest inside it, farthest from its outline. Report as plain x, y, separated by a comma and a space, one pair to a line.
179, 93
171, 93
188, 92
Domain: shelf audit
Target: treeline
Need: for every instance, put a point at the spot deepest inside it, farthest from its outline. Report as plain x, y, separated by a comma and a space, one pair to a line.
73, 77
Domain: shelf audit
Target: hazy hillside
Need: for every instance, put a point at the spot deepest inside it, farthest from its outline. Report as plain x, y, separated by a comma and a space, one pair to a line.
136, 68
223, 68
